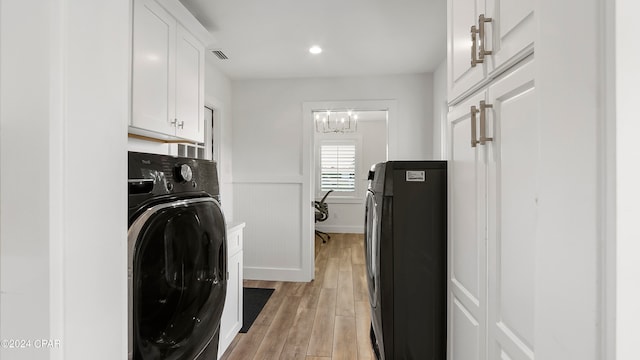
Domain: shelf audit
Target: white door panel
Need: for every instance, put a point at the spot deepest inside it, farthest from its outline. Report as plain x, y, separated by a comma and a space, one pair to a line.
504, 356
153, 67
461, 75
511, 33
231, 320
465, 326
467, 233
513, 195
464, 224
189, 86
512, 13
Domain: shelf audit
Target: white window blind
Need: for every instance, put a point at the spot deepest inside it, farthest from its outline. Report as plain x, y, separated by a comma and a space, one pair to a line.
338, 167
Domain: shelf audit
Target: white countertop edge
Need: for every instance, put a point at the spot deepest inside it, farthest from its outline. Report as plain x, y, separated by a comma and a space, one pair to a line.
235, 225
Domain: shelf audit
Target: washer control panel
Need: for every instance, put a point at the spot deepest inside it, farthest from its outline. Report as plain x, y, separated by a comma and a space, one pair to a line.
152, 174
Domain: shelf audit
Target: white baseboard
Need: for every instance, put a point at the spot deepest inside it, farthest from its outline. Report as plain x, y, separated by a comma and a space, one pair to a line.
341, 229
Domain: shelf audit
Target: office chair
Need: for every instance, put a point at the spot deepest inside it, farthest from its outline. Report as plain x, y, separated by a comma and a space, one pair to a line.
322, 214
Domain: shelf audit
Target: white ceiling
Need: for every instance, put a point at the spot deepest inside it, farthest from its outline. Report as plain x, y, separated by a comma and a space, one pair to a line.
271, 38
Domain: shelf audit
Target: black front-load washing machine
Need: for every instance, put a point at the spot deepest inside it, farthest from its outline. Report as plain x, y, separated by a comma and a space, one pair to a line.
177, 258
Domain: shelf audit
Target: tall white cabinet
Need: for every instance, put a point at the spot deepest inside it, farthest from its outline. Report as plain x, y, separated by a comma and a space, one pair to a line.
167, 71
493, 148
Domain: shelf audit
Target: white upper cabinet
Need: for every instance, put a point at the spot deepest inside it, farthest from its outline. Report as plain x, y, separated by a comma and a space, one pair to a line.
485, 38
462, 14
168, 72
153, 68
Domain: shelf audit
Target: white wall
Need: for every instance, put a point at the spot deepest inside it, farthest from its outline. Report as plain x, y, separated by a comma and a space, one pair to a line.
63, 115
627, 178
24, 130
440, 109
267, 117
268, 153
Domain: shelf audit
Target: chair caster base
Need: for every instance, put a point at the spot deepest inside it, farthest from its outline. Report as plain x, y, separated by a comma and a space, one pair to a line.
324, 238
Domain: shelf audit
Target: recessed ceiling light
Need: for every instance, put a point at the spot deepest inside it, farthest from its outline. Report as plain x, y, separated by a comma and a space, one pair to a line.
315, 49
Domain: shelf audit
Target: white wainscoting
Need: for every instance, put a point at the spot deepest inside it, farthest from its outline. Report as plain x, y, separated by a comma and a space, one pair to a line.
274, 246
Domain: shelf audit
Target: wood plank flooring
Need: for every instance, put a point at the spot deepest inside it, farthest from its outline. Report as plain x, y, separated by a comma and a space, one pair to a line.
326, 319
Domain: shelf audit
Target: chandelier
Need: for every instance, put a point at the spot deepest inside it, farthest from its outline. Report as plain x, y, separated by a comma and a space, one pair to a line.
336, 121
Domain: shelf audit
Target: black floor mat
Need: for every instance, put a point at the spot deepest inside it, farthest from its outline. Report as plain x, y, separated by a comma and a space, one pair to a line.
254, 300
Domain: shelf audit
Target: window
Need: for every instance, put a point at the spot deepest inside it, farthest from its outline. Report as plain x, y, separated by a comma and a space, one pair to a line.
338, 167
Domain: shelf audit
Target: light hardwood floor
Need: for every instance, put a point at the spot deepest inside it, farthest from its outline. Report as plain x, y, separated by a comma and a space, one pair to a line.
326, 319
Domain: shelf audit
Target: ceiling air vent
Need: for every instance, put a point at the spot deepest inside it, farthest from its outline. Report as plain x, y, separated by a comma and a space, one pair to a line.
220, 54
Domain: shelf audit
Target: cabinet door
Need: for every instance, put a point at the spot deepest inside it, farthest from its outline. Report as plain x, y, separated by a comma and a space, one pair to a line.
153, 73
231, 320
461, 15
513, 159
189, 86
510, 34
467, 237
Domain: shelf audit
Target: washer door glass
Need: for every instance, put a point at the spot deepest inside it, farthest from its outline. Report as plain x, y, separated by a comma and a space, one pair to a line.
179, 280
371, 247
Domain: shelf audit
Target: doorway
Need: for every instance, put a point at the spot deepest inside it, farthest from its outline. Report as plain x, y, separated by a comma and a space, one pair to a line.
365, 143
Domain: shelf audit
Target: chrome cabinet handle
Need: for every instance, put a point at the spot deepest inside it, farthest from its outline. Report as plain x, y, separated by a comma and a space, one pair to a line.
478, 50
474, 47
474, 111
481, 21
483, 122
177, 124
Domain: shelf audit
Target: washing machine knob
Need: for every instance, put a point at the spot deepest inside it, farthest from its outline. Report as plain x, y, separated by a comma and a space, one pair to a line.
184, 173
